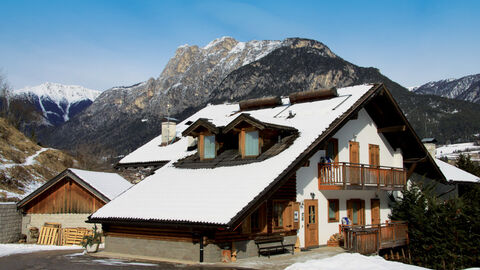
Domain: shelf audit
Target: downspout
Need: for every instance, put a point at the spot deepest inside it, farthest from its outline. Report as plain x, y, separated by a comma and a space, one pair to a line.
201, 248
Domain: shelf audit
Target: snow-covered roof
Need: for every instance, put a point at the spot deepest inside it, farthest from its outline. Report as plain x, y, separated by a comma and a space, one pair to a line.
109, 184
216, 195
455, 174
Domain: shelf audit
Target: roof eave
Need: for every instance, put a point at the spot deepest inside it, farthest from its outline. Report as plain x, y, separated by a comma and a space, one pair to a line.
158, 223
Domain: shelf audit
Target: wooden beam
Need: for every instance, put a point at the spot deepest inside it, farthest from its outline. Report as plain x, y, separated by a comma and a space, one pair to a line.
415, 160
410, 171
400, 128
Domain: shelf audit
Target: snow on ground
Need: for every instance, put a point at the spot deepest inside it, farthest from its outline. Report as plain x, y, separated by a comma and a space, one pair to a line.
10, 249
452, 151
354, 261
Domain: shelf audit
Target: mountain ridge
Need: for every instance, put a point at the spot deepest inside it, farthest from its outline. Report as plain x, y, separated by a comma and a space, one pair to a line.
228, 70
465, 88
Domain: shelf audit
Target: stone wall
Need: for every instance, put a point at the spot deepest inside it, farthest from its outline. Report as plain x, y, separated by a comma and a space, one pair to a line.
67, 221
10, 223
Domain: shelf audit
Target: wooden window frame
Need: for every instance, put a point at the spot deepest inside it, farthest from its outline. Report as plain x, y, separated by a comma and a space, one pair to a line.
201, 145
242, 142
284, 204
337, 208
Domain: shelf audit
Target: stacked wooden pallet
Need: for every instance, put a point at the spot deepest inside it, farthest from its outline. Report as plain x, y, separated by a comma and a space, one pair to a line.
74, 236
49, 234
53, 234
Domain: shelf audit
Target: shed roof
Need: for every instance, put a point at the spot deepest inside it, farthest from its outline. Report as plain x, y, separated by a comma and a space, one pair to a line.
105, 186
454, 174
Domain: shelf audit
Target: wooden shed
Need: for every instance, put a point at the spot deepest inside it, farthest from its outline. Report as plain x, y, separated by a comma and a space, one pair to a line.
69, 198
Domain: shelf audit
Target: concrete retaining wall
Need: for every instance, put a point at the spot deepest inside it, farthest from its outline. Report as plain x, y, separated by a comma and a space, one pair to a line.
10, 223
177, 250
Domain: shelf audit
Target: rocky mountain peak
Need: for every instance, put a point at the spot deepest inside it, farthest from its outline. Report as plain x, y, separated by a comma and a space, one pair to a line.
309, 43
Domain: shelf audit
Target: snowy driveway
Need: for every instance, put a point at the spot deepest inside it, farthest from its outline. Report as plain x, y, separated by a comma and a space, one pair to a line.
73, 260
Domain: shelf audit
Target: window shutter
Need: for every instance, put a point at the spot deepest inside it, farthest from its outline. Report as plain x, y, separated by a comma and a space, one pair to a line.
296, 215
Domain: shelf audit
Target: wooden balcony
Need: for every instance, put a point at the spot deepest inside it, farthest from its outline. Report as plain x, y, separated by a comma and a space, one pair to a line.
345, 175
368, 239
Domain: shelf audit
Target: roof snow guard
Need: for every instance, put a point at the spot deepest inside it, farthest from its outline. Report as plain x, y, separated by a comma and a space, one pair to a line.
260, 103
309, 96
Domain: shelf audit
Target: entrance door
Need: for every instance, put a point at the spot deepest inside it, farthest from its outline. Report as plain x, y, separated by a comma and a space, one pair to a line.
354, 167
311, 223
356, 211
375, 207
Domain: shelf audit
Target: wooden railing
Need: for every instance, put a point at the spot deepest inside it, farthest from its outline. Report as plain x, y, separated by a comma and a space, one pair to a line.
342, 174
368, 239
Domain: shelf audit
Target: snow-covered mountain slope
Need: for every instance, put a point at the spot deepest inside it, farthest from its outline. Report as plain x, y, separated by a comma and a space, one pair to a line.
57, 102
24, 165
466, 88
453, 151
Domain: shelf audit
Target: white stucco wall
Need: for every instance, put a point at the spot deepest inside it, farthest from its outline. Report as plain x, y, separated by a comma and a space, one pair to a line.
364, 131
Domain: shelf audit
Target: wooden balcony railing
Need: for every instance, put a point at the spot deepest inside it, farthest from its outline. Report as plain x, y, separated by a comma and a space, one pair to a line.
341, 175
368, 239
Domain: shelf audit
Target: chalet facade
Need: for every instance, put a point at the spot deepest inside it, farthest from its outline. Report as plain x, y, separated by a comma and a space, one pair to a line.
69, 198
293, 167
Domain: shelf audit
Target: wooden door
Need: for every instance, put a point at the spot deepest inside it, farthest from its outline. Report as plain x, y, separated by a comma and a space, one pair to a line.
354, 168
356, 211
311, 223
375, 208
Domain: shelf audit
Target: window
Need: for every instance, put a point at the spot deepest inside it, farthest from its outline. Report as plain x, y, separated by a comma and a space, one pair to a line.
312, 214
251, 143
333, 210
332, 150
209, 146
255, 221
278, 208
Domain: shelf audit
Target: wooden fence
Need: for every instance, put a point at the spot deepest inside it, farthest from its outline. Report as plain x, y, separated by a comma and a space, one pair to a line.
367, 239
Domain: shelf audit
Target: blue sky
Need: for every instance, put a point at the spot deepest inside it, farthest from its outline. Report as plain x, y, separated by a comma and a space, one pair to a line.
100, 44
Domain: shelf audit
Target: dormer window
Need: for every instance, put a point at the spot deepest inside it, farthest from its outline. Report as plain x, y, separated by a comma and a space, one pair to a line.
206, 133
252, 143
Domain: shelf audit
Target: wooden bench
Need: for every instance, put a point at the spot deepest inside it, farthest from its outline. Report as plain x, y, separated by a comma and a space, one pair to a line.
269, 244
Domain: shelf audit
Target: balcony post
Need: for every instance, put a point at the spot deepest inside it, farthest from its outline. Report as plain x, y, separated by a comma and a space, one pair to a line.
344, 175
362, 176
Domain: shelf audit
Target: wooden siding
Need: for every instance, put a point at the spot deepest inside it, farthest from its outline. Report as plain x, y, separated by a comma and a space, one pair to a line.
149, 233
66, 196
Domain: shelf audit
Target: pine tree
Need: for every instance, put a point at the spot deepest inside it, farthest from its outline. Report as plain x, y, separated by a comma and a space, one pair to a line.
443, 234
465, 163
